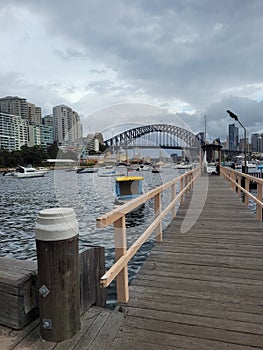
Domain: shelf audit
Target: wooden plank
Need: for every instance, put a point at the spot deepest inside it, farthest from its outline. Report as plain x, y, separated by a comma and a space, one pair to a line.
107, 332
92, 267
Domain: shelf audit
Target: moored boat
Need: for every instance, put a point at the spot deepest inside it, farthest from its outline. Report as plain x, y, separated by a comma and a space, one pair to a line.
27, 172
87, 170
127, 188
183, 166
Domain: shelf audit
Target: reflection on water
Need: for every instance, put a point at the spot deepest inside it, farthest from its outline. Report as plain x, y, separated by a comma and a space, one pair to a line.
89, 195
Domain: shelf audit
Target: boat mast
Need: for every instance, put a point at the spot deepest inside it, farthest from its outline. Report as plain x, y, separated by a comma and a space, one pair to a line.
205, 130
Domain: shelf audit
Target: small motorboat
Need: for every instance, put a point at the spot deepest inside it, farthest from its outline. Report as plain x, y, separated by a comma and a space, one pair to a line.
25, 172
183, 166
110, 174
87, 170
156, 169
127, 188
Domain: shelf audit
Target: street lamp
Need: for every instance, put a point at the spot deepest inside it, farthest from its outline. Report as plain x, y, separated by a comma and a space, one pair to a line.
234, 116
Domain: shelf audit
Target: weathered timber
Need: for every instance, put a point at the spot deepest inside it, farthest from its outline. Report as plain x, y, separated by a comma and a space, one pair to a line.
92, 267
98, 330
18, 296
200, 288
57, 245
18, 287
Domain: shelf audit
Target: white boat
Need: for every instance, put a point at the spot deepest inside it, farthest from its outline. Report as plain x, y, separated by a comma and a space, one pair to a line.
112, 173
87, 170
250, 164
210, 168
25, 172
183, 166
127, 188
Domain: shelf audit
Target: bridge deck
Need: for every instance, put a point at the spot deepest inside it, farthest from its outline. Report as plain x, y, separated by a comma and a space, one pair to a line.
197, 290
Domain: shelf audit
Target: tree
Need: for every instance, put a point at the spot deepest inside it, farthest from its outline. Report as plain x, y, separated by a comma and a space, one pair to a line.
52, 151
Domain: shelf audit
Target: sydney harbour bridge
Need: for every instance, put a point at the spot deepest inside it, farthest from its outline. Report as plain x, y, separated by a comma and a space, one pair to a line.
162, 136
156, 135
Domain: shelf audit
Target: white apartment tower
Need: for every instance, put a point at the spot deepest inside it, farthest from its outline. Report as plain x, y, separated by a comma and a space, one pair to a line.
66, 125
13, 132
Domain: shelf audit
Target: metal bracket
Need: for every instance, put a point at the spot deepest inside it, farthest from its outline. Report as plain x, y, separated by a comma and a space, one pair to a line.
44, 291
47, 324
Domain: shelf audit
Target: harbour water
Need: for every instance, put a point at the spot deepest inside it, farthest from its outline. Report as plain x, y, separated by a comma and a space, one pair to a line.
89, 194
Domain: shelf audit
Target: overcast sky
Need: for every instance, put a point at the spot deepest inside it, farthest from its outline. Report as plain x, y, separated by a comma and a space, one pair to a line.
146, 61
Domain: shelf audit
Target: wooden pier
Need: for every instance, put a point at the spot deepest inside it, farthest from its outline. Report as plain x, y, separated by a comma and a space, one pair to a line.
199, 289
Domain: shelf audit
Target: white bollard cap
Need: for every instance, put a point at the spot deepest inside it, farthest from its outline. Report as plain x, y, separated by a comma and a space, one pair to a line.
56, 224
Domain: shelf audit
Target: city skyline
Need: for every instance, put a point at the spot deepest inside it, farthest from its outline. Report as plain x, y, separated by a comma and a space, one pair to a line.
64, 127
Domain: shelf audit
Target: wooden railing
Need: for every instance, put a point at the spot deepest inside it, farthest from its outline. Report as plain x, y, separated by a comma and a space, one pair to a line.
117, 217
240, 183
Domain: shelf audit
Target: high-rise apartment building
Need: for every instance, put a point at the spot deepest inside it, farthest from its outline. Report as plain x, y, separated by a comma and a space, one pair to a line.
34, 114
48, 120
34, 137
233, 137
257, 142
13, 132
66, 125
19, 106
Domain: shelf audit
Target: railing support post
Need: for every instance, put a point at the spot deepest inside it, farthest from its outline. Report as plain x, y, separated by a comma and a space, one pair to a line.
233, 177
239, 183
120, 250
173, 212
157, 211
247, 189
181, 188
259, 197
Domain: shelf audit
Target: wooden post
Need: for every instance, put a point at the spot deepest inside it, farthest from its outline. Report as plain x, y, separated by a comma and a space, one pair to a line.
239, 182
259, 197
173, 212
181, 188
233, 177
157, 211
247, 189
56, 233
120, 249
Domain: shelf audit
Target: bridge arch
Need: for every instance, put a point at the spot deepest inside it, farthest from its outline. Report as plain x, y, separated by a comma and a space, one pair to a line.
125, 137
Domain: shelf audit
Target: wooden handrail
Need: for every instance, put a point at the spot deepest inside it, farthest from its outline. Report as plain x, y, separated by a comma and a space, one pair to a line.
235, 178
117, 217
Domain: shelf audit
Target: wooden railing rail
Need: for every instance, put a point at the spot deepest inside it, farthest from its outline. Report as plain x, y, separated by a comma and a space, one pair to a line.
117, 217
236, 177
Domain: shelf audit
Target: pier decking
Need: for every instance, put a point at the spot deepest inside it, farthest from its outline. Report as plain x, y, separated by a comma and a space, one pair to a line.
200, 289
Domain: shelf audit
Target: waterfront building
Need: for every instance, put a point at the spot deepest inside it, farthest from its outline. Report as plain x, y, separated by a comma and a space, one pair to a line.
34, 114
47, 120
14, 105
34, 135
233, 137
13, 132
46, 135
66, 124
19, 106
257, 142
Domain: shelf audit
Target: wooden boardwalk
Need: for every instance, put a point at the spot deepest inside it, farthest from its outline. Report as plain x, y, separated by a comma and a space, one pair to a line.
200, 289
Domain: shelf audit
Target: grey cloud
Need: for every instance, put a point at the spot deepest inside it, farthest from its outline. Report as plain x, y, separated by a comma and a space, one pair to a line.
190, 50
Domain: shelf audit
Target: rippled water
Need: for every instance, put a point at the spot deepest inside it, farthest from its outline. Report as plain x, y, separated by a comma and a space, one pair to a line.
89, 195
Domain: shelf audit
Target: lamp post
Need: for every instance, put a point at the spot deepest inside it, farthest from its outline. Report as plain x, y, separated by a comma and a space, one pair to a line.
234, 116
